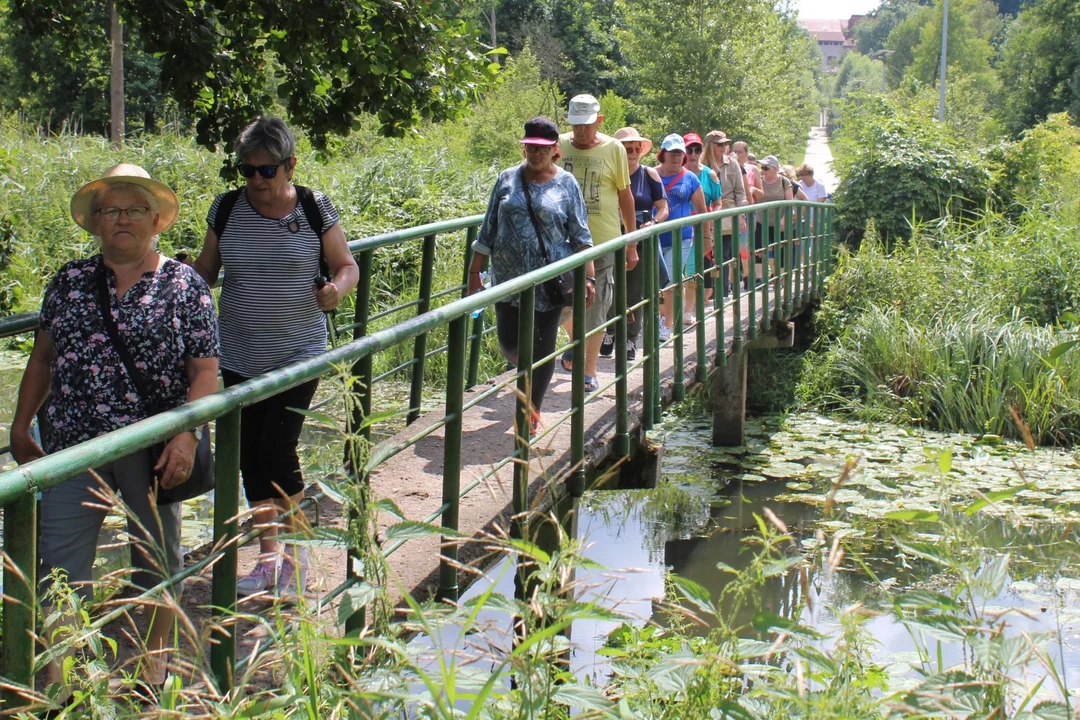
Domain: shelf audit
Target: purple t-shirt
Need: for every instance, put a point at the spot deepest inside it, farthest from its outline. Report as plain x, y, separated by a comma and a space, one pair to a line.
679, 205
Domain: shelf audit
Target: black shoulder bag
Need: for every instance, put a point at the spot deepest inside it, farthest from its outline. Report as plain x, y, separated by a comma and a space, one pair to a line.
560, 289
202, 478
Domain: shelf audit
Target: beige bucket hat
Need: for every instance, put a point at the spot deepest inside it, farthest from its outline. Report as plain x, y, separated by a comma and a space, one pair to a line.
629, 134
168, 205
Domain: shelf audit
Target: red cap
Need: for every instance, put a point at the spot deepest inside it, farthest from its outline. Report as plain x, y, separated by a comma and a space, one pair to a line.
692, 139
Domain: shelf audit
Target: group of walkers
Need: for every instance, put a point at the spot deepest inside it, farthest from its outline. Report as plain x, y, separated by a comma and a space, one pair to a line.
129, 333
584, 188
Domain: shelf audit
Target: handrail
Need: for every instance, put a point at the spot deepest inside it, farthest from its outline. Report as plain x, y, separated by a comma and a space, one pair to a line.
18, 486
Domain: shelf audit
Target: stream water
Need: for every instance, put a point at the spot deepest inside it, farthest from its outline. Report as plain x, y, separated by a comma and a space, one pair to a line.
706, 508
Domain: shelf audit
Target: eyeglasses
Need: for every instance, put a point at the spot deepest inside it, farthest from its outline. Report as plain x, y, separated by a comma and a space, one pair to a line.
541, 149
693, 150
266, 171
633, 148
135, 213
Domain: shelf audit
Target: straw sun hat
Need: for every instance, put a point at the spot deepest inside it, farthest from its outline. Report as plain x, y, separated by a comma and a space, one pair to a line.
629, 134
168, 205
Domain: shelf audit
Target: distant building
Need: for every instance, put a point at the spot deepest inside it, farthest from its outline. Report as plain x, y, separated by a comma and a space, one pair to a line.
833, 39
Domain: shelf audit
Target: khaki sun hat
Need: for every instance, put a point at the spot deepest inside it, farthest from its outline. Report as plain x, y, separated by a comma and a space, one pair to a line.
717, 136
168, 205
629, 134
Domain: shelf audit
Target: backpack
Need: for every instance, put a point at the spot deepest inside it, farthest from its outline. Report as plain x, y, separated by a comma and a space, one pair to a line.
307, 203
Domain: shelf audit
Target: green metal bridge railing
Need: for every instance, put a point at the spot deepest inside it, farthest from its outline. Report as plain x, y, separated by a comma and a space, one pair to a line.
802, 257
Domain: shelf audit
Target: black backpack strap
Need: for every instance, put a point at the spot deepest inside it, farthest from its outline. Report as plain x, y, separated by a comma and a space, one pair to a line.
315, 221
105, 304
225, 207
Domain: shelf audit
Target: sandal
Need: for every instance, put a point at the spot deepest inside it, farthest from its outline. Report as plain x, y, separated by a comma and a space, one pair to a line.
591, 384
567, 361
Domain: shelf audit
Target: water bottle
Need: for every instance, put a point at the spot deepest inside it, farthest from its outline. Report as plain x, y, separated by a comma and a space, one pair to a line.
485, 283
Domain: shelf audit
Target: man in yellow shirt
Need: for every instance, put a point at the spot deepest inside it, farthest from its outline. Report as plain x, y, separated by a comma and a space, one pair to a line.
598, 162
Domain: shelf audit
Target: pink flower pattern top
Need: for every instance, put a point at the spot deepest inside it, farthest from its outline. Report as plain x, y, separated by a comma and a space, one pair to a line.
167, 316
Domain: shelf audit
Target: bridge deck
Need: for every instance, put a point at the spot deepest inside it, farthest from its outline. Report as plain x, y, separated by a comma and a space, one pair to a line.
413, 478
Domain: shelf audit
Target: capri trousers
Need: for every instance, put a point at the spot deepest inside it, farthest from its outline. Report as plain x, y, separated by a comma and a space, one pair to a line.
71, 518
269, 434
545, 336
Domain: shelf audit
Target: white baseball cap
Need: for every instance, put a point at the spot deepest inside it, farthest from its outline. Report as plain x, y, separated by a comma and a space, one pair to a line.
673, 142
583, 110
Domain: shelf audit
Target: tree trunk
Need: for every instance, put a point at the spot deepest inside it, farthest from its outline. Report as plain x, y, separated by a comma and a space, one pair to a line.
116, 77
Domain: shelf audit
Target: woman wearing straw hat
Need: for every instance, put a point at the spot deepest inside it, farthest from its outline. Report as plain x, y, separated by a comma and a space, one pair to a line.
650, 208
164, 316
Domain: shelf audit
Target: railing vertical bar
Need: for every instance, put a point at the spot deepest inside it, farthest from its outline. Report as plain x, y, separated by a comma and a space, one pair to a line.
789, 262
526, 318
804, 270
223, 587
778, 264
736, 283
766, 270
427, 273
649, 315
622, 410
658, 400
455, 388
701, 372
719, 302
677, 270
751, 282
476, 346
577, 386
19, 598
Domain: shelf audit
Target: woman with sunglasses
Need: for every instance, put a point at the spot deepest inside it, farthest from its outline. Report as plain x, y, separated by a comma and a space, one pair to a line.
271, 307
711, 187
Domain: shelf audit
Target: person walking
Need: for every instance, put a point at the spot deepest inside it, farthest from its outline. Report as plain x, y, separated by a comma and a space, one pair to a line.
711, 186
685, 196
752, 183
535, 197
163, 315
774, 186
598, 162
286, 264
650, 208
733, 195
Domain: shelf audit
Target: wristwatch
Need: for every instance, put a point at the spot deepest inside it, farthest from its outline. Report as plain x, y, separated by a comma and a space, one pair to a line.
198, 432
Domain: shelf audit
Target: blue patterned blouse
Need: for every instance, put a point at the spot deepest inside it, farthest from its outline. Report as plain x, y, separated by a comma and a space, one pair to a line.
507, 235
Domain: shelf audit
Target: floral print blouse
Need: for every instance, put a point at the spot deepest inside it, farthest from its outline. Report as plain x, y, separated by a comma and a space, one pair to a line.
164, 317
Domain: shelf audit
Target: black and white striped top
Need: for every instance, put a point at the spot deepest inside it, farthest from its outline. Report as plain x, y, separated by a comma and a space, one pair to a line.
269, 315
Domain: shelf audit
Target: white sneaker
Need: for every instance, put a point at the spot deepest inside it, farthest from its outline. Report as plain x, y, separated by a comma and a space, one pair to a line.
689, 319
264, 577
665, 333
292, 580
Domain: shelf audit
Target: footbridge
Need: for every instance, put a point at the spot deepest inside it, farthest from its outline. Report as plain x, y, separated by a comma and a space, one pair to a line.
433, 427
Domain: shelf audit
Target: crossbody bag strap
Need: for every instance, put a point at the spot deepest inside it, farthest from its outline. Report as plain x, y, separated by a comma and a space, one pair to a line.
532, 217
675, 180
114, 336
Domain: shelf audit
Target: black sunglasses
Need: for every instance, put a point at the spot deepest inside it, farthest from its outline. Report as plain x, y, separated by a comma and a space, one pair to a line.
267, 171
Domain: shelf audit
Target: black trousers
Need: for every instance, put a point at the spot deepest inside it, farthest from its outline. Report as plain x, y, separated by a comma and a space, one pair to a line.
635, 290
269, 434
545, 337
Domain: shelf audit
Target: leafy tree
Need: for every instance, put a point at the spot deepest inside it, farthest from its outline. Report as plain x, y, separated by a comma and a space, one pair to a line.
972, 26
870, 35
857, 74
702, 64
1040, 63
902, 41
402, 60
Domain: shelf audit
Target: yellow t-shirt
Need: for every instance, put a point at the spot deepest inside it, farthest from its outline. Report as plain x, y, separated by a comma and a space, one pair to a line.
601, 172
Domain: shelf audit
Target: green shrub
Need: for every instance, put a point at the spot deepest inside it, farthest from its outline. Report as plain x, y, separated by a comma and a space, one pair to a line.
900, 168
1041, 168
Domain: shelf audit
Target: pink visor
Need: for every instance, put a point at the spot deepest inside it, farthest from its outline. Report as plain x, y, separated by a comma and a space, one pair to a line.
538, 141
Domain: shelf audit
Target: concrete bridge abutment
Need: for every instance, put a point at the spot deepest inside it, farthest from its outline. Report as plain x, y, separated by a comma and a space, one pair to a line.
727, 395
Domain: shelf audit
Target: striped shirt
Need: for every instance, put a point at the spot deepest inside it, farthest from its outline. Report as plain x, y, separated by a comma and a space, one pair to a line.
269, 314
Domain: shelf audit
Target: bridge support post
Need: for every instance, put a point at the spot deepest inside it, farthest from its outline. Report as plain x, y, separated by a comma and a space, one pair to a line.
728, 395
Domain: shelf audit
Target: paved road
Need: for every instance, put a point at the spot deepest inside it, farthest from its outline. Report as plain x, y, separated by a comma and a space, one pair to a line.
819, 157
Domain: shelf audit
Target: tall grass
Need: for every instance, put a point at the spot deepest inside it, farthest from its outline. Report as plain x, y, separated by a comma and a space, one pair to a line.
957, 327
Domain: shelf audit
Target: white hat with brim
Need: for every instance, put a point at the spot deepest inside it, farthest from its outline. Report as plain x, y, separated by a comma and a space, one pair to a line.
673, 143
584, 109
168, 206
631, 135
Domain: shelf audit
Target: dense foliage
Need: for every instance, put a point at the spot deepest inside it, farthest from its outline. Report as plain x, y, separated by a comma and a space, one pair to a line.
702, 64
900, 168
402, 62
970, 318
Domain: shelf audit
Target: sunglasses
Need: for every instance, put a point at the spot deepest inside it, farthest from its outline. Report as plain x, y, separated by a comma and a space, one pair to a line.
539, 149
266, 171
693, 150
